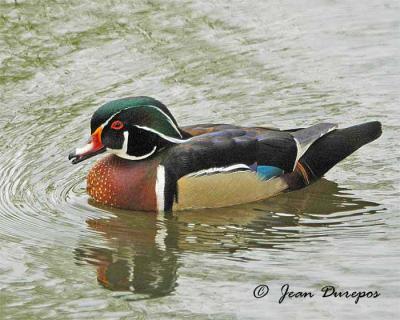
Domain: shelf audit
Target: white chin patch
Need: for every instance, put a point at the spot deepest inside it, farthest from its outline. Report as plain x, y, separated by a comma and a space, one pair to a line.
123, 153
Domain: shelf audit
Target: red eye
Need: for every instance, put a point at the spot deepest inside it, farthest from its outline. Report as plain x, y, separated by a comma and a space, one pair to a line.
117, 125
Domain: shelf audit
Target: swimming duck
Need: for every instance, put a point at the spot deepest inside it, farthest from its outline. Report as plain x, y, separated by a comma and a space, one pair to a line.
155, 165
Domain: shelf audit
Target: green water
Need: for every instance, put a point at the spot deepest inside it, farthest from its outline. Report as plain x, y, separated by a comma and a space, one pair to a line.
280, 63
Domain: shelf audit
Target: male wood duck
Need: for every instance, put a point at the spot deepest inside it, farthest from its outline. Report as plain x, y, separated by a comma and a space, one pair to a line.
155, 165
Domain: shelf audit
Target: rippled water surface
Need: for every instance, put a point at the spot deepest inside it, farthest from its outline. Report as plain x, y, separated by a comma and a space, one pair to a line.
281, 63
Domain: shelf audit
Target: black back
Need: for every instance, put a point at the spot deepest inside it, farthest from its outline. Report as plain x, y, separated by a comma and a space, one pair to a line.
224, 148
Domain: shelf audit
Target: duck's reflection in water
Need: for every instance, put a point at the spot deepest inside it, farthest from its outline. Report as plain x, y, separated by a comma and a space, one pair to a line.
140, 256
143, 249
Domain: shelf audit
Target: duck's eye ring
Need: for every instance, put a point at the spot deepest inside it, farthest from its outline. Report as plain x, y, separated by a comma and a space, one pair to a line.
117, 125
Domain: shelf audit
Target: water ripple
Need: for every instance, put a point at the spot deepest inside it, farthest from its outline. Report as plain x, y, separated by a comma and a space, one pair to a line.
283, 65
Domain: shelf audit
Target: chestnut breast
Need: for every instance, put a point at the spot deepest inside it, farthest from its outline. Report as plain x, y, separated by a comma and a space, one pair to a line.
122, 183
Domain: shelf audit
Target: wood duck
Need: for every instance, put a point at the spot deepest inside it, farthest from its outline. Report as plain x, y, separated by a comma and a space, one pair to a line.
155, 165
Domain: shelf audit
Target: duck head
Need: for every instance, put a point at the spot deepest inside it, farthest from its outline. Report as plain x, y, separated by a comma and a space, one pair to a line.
132, 128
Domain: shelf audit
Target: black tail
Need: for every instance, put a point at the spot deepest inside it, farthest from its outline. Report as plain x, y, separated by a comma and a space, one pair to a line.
331, 149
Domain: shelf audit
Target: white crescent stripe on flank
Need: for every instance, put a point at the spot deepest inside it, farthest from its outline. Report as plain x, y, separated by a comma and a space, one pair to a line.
219, 169
165, 137
160, 186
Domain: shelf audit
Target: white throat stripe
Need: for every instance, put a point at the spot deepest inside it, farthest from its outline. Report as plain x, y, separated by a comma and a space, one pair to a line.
123, 153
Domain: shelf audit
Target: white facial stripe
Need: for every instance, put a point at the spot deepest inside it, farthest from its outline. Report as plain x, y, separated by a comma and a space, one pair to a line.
160, 186
165, 137
158, 109
123, 152
108, 120
127, 156
125, 144
169, 119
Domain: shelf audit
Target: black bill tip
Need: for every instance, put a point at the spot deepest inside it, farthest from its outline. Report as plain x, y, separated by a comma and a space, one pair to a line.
72, 155
75, 157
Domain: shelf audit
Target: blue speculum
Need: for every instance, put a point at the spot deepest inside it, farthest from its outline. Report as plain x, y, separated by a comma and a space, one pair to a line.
268, 172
